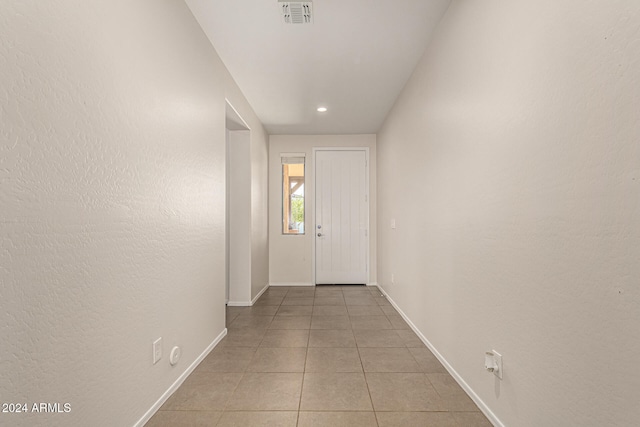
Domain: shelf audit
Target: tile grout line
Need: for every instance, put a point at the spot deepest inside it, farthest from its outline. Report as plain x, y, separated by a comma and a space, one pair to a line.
304, 369
364, 374
373, 408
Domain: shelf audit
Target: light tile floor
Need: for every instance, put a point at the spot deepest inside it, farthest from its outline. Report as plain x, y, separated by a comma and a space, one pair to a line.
324, 356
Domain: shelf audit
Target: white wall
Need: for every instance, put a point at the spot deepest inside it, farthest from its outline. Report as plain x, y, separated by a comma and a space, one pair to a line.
511, 165
112, 187
259, 207
290, 257
259, 173
239, 218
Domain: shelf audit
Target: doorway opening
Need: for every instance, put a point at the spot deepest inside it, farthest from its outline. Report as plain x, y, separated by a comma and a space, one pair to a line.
238, 210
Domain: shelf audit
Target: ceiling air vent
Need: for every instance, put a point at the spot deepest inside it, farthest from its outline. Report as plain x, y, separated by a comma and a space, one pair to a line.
296, 12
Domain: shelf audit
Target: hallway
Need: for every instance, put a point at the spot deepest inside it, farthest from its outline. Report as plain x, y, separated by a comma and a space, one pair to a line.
319, 356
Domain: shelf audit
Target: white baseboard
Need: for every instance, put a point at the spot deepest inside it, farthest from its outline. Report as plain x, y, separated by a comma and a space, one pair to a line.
248, 303
472, 394
253, 301
238, 303
372, 284
177, 383
291, 284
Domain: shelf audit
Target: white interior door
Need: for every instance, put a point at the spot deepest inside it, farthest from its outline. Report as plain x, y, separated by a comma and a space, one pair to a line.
342, 217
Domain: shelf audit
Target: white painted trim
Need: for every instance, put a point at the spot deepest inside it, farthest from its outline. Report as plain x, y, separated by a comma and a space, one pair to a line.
248, 303
373, 284
293, 155
178, 382
472, 394
291, 284
238, 303
253, 301
367, 172
237, 115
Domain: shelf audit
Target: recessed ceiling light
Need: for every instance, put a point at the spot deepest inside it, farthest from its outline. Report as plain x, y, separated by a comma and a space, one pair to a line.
322, 109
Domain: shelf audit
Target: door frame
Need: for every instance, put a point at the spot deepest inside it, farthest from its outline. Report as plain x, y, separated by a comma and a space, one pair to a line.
314, 150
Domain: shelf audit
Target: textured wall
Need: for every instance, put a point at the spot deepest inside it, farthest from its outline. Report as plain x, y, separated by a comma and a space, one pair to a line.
259, 170
511, 164
290, 257
112, 203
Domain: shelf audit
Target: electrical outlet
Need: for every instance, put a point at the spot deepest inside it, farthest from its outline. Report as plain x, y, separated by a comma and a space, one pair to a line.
493, 363
174, 356
157, 350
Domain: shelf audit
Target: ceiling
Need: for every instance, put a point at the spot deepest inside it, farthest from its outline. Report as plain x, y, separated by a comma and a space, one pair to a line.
354, 58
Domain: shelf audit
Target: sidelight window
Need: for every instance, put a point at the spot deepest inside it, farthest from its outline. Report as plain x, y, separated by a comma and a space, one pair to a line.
293, 194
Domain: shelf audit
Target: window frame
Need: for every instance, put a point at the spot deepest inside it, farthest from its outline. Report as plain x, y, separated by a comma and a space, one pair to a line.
287, 159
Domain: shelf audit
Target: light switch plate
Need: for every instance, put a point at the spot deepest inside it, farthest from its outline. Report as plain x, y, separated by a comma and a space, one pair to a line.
157, 350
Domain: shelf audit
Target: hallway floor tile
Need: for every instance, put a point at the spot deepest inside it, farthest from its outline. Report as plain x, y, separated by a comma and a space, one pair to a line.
325, 356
